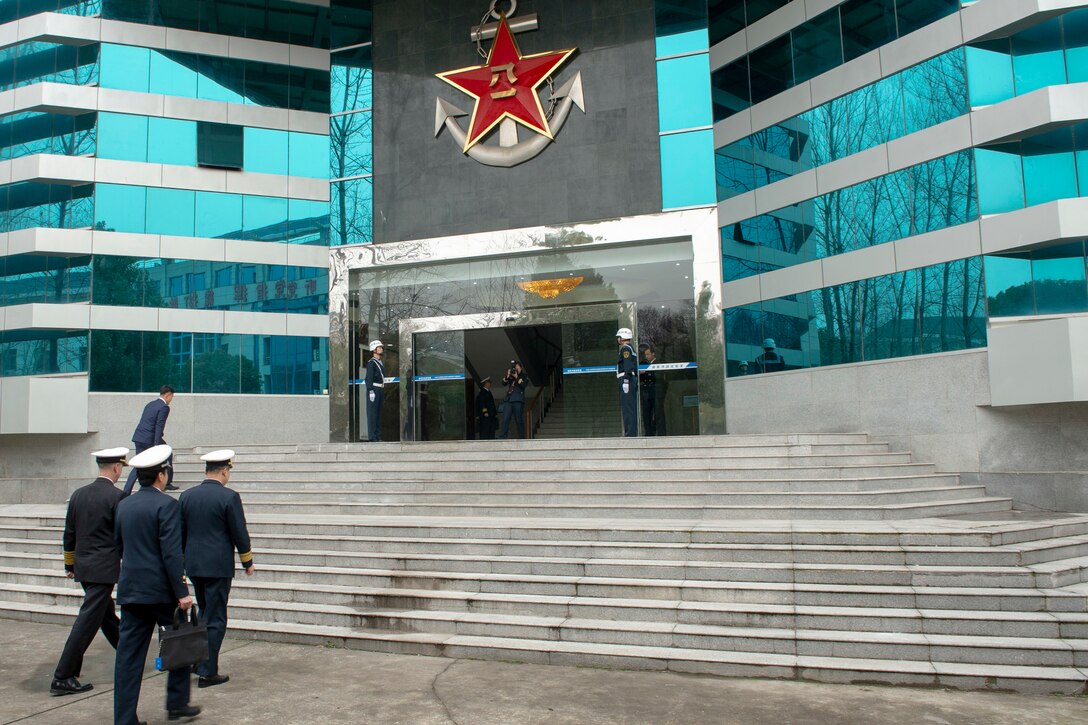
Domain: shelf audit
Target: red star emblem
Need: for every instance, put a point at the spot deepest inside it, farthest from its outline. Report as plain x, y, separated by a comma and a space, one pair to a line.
506, 86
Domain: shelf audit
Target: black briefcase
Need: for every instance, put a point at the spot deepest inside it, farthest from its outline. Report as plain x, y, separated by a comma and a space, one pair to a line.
183, 644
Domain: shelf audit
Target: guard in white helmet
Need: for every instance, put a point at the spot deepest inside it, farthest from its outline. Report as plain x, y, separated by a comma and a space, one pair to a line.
375, 391
769, 361
627, 376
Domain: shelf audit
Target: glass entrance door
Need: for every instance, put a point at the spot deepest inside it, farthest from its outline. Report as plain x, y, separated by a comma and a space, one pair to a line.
439, 385
590, 397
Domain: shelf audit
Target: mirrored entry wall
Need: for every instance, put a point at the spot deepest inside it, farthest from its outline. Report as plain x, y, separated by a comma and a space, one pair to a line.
549, 298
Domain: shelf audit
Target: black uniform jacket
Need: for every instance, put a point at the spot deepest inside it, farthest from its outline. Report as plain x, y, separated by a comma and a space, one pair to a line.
152, 425
485, 405
214, 526
148, 536
627, 365
89, 548
375, 375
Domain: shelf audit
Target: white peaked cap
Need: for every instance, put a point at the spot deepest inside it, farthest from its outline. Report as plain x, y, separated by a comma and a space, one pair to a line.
108, 455
221, 456
152, 457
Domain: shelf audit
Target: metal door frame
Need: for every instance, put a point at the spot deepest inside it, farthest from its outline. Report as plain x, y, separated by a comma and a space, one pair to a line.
625, 313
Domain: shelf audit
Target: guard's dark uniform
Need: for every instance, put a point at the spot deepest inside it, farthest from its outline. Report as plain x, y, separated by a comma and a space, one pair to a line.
647, 390
148, 536
627, 374
486, 414
91, 554
375, 396
214, 525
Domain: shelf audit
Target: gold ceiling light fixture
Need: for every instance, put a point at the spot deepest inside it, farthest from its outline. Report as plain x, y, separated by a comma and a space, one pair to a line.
549, 289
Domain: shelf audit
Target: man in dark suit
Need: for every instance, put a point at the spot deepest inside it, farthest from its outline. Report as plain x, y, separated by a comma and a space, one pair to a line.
486, 415
213, 527
91, 558
151, 586
149, 432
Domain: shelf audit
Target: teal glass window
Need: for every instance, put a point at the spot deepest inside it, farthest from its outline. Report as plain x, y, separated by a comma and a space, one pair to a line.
680, 27
350, 145
120, 208
27, 278
219, 145
23, 134
1000, 178
126, 68
171, 212
866, 26
730, 89
683, 93
1046, 281
171, 78
39, 352
1050, 170
691, 41
1075, 29
771, 69
351, 212
28, 205
687, 169
817, 46
218, 215
171, 141
308, 153
352, 80
265, 151
123, 137
1037, 57
725, 17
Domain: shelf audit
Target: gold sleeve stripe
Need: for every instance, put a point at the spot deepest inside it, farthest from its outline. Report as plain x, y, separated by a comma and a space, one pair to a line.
69, 557
246, 557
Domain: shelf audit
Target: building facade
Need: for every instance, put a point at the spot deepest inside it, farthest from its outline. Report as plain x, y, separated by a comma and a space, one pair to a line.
821, 215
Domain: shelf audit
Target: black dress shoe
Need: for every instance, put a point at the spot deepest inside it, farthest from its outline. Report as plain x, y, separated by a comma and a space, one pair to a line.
212, 680
172, 487
70, 686
189, 711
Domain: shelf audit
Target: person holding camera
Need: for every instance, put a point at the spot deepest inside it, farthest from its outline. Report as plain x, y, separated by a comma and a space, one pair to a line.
514, 406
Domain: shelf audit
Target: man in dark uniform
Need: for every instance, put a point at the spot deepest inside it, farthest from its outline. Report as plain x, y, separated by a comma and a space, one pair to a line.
485, 411
769, 361
151, 586
375, 392
647, 390
213, 526
627, 376
149, 432
514, 403
91, 558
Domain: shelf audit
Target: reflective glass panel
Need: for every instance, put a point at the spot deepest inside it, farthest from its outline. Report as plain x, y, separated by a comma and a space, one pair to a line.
683, 93
350, 147
265, 151
1037, 57
351, 211
1000, 178
171, 211
171, 141
38, 352
817, 46
120, 208
123, 137
687, 169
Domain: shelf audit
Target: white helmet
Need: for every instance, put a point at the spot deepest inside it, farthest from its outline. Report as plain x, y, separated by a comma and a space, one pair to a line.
768, 343
625, 333
375, 344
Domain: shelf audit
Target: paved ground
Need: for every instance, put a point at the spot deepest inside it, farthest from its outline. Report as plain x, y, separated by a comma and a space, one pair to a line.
287, 684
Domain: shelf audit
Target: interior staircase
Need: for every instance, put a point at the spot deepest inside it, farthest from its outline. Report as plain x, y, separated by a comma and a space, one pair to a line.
821, 557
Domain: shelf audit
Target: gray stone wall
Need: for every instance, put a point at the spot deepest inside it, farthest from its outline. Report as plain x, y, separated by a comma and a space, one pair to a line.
604, 163
938, 407
44, 468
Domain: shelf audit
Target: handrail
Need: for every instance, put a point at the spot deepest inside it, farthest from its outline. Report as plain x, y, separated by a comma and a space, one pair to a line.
534, 413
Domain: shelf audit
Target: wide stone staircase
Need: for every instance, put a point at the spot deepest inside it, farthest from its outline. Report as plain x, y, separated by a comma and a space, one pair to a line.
822, 557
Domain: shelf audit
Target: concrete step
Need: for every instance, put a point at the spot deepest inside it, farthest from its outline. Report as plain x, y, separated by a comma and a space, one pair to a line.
1037, 679
1052, 575
926, 508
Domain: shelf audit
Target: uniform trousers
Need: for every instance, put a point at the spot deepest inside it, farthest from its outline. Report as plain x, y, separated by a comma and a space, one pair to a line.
374, 415
513, 410
212, 595
649, 411
629, 410
137, 625
96, 613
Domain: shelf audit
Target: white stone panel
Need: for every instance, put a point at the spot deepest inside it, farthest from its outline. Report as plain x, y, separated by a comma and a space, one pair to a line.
300, 187
304, 57
143, 104
257, 323
741, 292
839, 174
922, 44
734, 209
192, 41
259, 50
191, 320
786, 192
63, 97
138, 34
242, 115
235, 250
191, 248
194, 109
815, 7
1019, 375
785, 105
733, 128
58, 241
110, 317
728, 50
124, 244
135, 173
307, 325
44, 404
793, 279
859, 72
859, 264
958, 242
308, 122
307, 255
930, 143
779, 22
193, 177
243, 182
